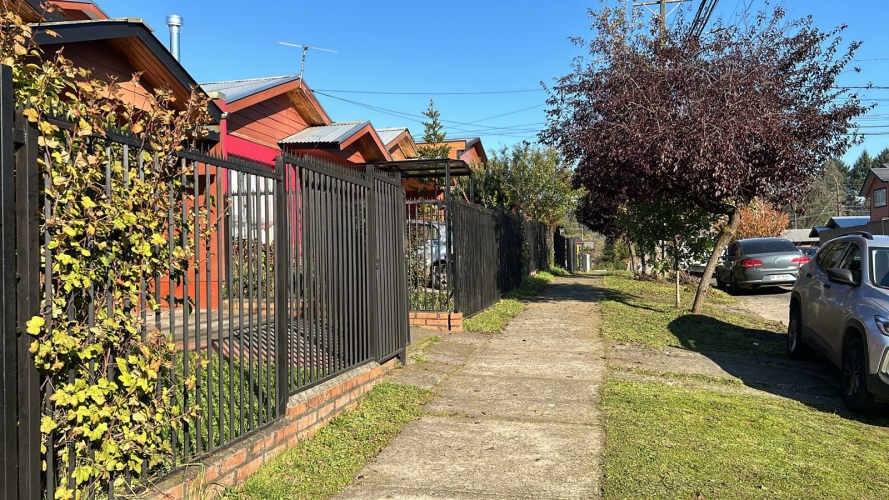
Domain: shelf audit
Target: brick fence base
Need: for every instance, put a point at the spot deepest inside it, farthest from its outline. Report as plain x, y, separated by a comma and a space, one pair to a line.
444, 321
306, 413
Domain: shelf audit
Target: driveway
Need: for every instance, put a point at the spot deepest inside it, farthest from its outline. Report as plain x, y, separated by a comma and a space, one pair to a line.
770, 303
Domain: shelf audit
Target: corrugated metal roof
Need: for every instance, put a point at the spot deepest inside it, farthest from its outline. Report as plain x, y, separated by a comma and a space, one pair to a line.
388, 135
239, 89
335, 133
799, 235
848, 221
882, 173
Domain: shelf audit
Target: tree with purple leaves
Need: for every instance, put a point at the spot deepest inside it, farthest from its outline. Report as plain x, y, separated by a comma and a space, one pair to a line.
700, 123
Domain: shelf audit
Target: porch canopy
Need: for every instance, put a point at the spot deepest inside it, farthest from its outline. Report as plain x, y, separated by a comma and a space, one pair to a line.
444, 168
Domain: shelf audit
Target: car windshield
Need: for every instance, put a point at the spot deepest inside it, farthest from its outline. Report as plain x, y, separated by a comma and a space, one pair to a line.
879, 266
767, 246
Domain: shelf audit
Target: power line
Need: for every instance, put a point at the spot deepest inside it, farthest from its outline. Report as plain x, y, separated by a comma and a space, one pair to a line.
705, 10
434, 92
418, 118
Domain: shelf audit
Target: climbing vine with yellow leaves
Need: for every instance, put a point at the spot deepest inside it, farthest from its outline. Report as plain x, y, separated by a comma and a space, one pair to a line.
110, 408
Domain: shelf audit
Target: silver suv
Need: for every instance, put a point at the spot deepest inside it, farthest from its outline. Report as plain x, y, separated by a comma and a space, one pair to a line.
839, 307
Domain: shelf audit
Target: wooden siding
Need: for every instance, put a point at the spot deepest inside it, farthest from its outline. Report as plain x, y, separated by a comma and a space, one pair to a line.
121, 59
267, 122
107, 63
877, 213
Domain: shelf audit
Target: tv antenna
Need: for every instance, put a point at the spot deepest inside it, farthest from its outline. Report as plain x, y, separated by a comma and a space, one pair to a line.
302, 63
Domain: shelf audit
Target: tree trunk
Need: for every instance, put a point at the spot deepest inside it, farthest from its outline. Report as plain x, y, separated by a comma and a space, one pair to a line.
676, 268
725, 236
632, 256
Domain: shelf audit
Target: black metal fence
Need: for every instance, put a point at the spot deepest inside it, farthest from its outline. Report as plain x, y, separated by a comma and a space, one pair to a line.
477, 257
461, 256
298, 275
429, 243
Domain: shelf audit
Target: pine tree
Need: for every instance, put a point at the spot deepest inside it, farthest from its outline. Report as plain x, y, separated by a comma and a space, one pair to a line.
433, 136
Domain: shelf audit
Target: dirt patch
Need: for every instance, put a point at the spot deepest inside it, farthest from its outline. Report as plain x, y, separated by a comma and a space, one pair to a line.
810, 382
772, 304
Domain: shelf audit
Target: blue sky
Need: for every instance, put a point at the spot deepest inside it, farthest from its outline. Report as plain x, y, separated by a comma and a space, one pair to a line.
480, 61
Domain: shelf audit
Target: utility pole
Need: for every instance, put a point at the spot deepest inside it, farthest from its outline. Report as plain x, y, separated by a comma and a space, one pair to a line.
662, 4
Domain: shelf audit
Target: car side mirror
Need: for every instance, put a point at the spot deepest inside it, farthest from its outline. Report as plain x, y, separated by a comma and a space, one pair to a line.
843, 276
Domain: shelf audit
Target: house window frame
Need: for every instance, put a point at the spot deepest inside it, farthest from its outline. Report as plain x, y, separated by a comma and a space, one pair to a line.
879, 202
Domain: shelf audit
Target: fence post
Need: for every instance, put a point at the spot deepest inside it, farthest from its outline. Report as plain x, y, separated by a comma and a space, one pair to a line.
282, 290
373, 266
9, 437
29, 189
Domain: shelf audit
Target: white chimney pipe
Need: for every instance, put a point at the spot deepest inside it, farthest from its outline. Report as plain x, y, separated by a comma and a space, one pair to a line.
174, 22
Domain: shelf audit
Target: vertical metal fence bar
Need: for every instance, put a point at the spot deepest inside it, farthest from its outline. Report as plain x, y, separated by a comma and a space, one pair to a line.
250, 333
339, 284
297, 224
9, 370
239, 242
208, 313
350, 275
28, 194
218, 215
319, 364
272, 259
282, 279
229, 214
372, 298
186, 368
327, 246
198, 372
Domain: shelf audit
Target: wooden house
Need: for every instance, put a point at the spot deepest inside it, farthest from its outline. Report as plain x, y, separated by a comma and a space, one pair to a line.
874, 191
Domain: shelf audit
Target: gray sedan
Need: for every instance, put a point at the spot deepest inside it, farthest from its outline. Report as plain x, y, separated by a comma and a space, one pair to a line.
758, 262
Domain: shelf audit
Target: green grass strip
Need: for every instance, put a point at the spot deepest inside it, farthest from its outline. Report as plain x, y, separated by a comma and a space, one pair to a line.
644, 312
665, 441
495, 318
323, 465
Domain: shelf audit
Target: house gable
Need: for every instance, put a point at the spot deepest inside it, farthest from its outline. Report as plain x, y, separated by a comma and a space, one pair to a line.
875, 190
356, 142
118, 48
469, 150
263, 111
399, 142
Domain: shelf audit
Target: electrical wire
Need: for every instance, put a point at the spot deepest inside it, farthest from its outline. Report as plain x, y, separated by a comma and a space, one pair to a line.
433, 92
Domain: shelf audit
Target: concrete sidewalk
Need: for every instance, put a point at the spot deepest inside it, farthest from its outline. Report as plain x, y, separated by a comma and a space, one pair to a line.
516, 414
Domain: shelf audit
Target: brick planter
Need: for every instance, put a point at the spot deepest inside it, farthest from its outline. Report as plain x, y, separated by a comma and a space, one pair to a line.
443, 321
307, 412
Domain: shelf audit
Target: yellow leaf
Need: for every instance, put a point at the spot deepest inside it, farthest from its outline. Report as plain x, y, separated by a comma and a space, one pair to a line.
31, 114
47, 425
34, 325
84, 128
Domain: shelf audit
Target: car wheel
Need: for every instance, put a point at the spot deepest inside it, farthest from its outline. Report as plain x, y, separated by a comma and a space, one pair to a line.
796, 349
439, 276
855, 393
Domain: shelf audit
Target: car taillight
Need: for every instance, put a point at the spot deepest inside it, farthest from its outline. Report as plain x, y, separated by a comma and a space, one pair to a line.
802, 259
751, 263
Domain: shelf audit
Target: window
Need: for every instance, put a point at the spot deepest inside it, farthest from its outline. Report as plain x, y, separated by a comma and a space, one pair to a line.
831, 254
879, 261
767, 245
852, 262
880, 197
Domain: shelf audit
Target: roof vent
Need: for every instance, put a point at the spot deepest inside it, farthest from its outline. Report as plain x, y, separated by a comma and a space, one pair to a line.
174, 22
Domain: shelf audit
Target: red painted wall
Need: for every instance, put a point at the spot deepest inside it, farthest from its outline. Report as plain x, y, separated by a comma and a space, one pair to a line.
877, 213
